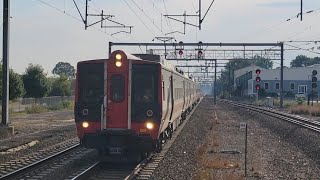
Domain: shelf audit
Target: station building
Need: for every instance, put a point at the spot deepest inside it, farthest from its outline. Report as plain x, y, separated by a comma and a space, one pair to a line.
295, 80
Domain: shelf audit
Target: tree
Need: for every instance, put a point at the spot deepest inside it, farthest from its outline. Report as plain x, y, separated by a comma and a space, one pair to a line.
226, 78
301, 61
35, 82
263, 62
65, 69
16, 87
61, 87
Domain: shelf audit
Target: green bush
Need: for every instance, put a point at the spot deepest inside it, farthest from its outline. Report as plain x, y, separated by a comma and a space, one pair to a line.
55, 107
289, 94
67, 105
300, 101
63, 105
262, 92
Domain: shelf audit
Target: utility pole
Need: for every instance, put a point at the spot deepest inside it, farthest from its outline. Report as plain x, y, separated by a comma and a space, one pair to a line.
301, 10
5, 64
215, 82
200, 20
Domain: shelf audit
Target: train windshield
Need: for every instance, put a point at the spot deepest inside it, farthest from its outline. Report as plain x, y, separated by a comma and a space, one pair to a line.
90, 83
144, 90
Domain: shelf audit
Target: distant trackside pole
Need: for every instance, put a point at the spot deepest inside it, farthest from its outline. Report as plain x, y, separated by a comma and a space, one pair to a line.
5, 63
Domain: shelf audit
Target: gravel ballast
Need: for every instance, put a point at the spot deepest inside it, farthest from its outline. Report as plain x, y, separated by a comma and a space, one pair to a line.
180, 161
45, 129
211, 146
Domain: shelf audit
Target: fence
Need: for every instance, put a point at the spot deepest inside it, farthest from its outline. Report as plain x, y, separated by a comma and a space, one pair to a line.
22, 103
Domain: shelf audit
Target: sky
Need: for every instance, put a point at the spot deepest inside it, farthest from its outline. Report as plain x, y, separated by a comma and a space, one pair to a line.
46, 32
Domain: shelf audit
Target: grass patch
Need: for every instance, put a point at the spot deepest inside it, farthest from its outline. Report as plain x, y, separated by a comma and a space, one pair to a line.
36, 108
307, 110
67, 105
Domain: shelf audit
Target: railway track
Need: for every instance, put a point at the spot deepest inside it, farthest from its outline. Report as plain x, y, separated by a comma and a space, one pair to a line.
99, 170
39, 165
143, 170
307, 123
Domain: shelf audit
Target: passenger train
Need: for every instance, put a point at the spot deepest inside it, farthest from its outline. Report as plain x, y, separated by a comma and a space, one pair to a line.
130, 103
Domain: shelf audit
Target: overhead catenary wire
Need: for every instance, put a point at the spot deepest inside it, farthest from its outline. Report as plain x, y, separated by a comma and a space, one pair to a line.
160, 11
207, 10
301, 48
272, 27
146, 15
139, 18
75, 18
169, 23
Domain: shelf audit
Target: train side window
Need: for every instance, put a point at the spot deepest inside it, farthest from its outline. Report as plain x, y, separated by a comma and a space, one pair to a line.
117, 88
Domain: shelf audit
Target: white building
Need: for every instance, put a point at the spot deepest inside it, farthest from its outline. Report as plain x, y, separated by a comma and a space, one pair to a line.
296, 80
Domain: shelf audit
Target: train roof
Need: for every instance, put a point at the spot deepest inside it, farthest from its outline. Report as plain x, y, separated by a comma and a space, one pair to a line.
163, 62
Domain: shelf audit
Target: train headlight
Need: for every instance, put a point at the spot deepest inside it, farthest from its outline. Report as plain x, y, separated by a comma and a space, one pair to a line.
85, 124
149, 125
118, 56
118, 62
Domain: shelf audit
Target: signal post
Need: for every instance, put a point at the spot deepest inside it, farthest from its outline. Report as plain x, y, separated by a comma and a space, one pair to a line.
5, 128
258, 86
313, 85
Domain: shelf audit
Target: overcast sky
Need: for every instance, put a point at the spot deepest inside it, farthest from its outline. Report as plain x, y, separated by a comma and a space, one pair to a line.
43, 35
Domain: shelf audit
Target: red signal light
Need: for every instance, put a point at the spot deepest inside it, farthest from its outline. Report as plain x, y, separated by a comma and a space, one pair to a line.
180, 52
258, 79
258, 87
200, 53
258, 71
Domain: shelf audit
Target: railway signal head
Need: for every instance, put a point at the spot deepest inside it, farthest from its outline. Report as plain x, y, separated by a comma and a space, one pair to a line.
314, 79
314, 72
258, 72
200, 53
258, 79
118, 61
258, 87
180, 52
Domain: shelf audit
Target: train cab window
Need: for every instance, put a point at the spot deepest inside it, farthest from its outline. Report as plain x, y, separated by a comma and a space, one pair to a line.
117, 88
90, 83
145, 84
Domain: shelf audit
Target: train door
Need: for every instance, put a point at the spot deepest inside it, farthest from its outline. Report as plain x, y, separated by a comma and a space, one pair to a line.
184, 94
172, 96
118, 93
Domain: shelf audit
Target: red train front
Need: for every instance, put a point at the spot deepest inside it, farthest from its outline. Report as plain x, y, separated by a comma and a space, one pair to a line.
118, 104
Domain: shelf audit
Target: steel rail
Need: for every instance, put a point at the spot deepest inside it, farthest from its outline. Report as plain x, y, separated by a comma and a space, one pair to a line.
30, 167
307, 123
84, 173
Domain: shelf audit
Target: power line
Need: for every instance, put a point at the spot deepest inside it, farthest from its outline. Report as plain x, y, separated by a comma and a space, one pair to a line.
302, 48
168, 22
146, 15
160, 11
298, 33
73, 17
268, 28
139, 17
